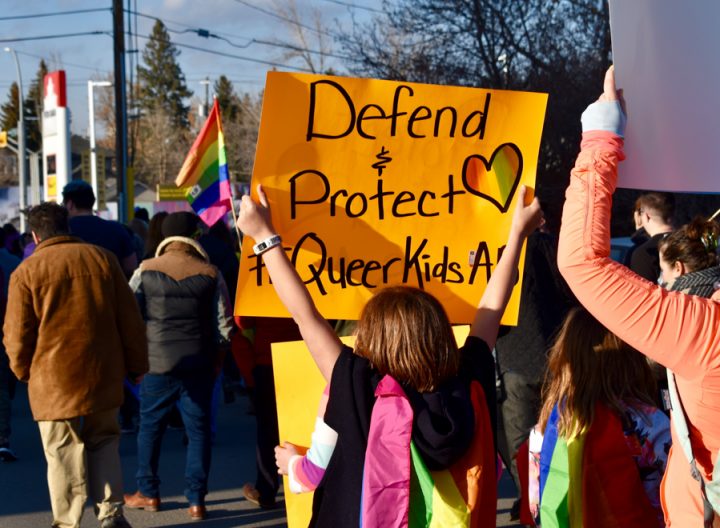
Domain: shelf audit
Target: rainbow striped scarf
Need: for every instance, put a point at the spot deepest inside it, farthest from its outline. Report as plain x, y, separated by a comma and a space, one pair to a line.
398, 489
205, 172
592, 480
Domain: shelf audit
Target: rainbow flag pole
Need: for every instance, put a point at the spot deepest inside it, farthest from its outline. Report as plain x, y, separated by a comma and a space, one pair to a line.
205, 172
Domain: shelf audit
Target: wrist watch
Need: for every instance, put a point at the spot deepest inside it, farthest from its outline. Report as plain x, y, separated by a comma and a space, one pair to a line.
270, 242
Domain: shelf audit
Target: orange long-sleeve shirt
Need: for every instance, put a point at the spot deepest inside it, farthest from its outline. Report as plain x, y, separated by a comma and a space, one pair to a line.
681, 332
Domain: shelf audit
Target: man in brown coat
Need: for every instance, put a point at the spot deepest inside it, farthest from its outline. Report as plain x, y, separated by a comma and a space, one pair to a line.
73, 331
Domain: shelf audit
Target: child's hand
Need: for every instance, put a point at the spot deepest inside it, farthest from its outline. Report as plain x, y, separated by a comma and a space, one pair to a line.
283, 454
254, 217
527, 218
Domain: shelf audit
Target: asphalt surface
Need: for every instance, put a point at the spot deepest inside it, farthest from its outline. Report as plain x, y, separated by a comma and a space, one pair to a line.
24, 501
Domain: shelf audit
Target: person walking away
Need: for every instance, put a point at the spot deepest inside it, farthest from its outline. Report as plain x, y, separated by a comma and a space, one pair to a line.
73, 331
263, 331
78, 198
8, 263
185, 303
653, 213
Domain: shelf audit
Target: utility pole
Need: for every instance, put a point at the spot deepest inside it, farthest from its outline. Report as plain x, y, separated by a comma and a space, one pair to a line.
120, 109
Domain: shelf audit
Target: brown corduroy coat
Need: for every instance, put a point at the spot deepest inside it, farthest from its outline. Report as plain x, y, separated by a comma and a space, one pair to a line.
73, 329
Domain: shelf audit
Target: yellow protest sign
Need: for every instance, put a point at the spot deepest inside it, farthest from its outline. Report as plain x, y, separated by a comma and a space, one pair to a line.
298, 387
373, 183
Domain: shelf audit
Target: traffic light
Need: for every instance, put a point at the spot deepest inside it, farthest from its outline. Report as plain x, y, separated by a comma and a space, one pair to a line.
3, 138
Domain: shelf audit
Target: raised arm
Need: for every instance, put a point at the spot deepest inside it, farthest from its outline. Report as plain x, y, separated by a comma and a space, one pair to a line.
497, 294
324, 345
678, 331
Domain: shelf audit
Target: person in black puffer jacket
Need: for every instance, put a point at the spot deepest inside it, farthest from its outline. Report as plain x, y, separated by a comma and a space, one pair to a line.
185, 304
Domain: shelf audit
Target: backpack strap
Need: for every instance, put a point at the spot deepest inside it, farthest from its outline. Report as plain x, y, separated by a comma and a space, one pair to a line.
679, 422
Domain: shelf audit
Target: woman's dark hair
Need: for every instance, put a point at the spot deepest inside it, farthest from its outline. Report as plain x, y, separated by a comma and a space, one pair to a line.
154, 235
694, 244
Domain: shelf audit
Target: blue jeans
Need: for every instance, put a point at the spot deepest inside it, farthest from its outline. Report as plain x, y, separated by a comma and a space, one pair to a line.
158, 395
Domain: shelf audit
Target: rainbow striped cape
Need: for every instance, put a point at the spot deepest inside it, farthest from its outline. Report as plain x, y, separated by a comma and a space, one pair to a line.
398, 489
205, 172
592, 480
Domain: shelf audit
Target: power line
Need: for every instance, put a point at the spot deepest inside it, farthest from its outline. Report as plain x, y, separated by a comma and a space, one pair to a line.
63, 63
56, 13
230, 55
204, 33
356, 6
56, 36
289, 20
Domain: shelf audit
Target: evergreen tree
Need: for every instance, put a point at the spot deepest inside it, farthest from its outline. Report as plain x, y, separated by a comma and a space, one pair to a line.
162, 82
227, 99
10, 109
34, 107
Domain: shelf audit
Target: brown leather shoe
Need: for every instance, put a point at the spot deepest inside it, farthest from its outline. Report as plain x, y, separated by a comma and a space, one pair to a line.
138, 501
197, 512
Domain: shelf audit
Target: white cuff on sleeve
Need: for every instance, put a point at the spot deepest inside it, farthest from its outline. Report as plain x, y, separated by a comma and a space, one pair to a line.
604, 115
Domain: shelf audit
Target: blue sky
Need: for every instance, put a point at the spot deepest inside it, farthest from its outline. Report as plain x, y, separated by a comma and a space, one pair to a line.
90, 57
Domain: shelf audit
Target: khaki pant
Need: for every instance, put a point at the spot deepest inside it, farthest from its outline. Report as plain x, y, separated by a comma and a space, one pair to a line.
82, 457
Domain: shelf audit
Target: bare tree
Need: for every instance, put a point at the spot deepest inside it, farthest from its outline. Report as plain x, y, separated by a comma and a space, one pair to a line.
561, 47
162, 147
308, 40
241, 135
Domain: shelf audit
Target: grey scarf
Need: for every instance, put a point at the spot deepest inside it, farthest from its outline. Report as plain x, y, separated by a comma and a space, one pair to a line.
700, 283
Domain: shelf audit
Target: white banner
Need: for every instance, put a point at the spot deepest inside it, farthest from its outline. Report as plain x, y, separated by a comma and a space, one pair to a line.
666, 61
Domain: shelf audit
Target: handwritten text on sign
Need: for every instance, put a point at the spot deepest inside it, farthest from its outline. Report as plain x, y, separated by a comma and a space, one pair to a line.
374, 183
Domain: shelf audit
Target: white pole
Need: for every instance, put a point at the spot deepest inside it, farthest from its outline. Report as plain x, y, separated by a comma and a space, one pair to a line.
91, 133
35, 178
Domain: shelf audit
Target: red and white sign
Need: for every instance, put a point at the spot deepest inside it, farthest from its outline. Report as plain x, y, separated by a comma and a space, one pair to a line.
56, 136
55, 94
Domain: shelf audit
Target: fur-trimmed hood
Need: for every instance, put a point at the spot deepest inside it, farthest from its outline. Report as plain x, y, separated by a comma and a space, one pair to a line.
184, 240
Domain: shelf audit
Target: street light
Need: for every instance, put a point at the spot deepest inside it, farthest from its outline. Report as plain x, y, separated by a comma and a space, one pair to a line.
22, 183
91, 133
206, 107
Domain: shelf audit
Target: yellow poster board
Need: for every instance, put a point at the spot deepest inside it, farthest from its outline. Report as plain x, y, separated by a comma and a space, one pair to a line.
298, 387
375, 183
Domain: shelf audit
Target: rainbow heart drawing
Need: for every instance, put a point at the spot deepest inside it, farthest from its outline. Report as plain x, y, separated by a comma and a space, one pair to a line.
496, 180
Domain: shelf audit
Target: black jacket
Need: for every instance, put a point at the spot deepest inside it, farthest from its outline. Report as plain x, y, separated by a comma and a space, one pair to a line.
184, 301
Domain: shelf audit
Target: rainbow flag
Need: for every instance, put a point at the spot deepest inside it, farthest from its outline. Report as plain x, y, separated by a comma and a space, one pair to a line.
591, 480
399, 491
205, 172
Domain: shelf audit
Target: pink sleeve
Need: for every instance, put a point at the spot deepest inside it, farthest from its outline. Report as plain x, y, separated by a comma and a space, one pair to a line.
678, 331
306, 472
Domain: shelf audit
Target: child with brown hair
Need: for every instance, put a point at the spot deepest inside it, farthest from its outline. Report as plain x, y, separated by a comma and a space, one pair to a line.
600, 448
412, 411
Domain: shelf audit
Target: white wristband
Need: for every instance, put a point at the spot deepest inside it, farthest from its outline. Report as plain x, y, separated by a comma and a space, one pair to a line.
269, 243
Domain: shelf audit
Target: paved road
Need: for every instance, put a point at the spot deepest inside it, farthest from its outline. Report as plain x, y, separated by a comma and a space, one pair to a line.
24, 499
